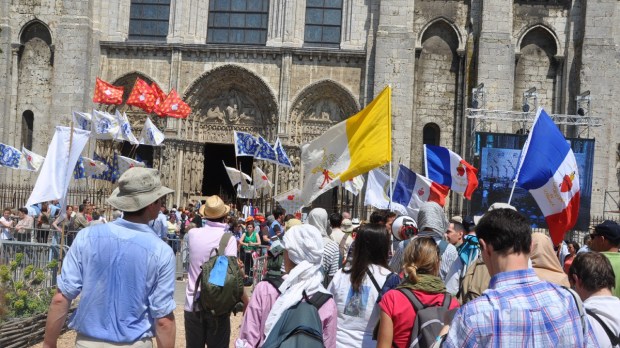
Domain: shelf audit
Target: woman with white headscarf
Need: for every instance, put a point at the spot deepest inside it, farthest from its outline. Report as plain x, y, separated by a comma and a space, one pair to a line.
331, 254
302, 261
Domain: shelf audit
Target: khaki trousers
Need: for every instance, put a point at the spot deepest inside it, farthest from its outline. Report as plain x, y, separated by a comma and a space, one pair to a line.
87, 342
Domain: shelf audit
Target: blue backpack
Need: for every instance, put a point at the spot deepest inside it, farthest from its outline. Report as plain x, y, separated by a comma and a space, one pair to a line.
300, 325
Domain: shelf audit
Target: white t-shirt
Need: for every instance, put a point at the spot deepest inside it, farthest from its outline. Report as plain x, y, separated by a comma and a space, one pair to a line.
357, 312
5, 233
607, 308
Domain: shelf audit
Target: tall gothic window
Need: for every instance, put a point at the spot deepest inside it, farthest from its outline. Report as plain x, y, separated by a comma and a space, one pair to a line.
148, 20
323, 23
27, 128
238, 22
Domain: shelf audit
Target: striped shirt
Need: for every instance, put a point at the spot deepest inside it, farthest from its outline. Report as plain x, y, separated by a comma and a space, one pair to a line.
331, 257
520, 310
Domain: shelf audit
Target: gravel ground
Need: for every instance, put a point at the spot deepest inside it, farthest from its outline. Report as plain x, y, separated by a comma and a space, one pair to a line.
67, 340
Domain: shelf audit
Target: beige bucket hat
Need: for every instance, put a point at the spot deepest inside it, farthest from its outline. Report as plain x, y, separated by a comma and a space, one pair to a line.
137, 188
214, 208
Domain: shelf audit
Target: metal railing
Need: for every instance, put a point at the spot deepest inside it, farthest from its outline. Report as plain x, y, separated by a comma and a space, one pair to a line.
40, 256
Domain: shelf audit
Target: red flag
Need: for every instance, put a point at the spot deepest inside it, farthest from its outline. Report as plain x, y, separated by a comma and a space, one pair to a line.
106, 93
142, 96
174, 106
160, 98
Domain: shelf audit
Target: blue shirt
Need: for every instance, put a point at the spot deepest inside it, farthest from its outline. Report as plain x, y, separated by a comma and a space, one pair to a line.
520, 310
160, 225
272, 231
125, 275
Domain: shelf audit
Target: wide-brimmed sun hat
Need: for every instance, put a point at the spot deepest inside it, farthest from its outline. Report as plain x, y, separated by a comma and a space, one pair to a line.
137, 188
347, 226
214, 208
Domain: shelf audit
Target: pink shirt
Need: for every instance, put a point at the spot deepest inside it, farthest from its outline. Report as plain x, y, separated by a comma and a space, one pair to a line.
202, 242
263, 298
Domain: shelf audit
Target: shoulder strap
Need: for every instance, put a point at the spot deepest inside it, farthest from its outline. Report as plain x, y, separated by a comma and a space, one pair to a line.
443, 245
319, 299
276, 282
223, 243
374, 281
447, 300
415, 302
614, 339
582, 312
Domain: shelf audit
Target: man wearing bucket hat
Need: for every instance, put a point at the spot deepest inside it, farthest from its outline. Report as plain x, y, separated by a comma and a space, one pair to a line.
123, 273
202, 327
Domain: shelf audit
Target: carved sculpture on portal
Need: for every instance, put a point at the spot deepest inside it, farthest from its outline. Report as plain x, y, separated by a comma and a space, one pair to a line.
233, 108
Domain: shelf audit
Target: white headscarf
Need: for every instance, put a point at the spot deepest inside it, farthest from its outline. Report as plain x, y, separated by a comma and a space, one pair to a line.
304, 246
319, 219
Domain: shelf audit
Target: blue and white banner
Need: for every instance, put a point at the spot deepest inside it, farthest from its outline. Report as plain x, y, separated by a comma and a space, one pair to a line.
105, 126
245, 144
150, 134
281, 154
82, 120
124, 132
9, 156
265, 151
111, 174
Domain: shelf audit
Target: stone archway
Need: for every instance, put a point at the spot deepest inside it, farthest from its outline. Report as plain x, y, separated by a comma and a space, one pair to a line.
230, 98
317, 108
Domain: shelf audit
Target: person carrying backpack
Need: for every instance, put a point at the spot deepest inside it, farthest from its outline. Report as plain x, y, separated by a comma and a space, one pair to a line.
412, 314
298, 312
207, 318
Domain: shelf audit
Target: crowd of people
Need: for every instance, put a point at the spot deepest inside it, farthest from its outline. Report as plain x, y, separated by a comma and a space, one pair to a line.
391, 281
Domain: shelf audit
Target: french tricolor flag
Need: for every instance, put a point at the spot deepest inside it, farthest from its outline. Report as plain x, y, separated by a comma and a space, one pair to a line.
449, 169
412, 189
548, 169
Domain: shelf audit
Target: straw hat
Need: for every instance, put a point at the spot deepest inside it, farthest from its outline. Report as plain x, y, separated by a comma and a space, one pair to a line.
137, 188
214, 208
346, 226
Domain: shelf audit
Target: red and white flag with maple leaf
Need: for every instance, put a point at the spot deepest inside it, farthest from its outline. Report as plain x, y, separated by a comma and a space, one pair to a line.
106, 93
290, 200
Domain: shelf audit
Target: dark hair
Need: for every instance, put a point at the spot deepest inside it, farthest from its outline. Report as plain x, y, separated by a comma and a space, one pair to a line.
371, 247
96, 216
594, 270
220, 219
459, 227
8, 209
379, 217
335, 219
575, 245
277, 212
288, 217
506, 230
81, 208
24, 210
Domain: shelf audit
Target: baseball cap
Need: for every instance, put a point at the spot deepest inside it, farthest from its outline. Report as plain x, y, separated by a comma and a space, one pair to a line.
608, 229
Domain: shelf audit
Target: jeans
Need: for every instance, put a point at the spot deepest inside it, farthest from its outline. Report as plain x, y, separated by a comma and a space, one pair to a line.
204, 328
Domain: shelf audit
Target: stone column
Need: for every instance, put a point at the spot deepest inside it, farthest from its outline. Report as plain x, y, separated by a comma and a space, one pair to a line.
599, 74
496, 53
285, 84
394, 65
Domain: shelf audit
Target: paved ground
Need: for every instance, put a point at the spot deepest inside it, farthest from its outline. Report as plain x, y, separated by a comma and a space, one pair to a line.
68, 339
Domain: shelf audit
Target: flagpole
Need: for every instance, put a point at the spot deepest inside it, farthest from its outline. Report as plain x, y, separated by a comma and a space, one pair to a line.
63, 205
526, 146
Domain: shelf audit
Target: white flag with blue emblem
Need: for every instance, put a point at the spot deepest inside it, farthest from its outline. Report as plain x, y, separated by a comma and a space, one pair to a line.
150, 134
124, 132
245, 144
9, 156
281, 154
82, 120
105, 126
265, 151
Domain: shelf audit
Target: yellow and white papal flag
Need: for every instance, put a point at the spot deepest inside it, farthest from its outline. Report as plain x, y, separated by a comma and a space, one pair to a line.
348, 149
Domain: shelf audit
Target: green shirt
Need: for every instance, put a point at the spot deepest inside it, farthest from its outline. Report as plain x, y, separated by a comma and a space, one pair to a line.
253, 238
614, 258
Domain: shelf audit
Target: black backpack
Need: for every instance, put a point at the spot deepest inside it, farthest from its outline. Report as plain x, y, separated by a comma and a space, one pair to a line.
300, 325
428, 320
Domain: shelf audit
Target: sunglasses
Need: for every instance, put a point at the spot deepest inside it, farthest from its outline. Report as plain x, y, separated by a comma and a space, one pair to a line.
593, 235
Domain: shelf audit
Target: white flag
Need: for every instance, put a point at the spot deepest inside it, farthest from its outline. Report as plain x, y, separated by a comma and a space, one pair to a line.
150, 134
124, 132
235, 175
246, 191
105, 126
82, 120
260, 180
92, 167
354, 185
124, 163
30, 160
290, 200
376, 188
58, 166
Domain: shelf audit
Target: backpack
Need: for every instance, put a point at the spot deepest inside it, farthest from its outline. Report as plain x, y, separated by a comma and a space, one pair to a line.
300, 325
220, 281
428, 320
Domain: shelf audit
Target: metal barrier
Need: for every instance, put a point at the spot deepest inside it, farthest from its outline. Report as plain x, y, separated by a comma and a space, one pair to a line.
259, 268
35, 254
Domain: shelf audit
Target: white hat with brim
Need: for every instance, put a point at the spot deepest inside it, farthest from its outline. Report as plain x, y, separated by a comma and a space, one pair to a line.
494, 206
347, 226
137, 188
214, 208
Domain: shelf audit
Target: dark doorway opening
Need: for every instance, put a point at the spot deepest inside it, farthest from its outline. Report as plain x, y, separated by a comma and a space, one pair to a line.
216, 181
144, 153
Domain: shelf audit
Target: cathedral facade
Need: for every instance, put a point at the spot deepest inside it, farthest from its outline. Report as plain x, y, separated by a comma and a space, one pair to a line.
292, 69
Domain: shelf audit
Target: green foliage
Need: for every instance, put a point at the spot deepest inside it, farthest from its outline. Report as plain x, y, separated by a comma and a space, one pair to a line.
27, 296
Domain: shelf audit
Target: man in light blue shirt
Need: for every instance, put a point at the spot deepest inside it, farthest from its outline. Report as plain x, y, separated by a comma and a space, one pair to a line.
160, 224
123, 273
